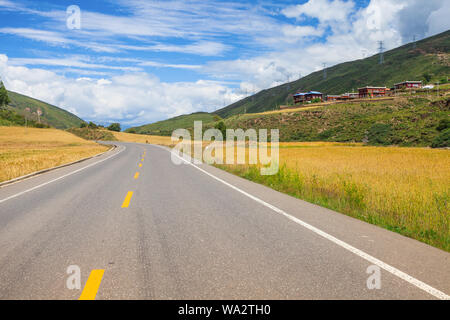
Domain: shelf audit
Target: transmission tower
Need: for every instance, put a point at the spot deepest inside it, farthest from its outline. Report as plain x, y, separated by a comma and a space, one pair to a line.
414, 42
324, 71
381, 49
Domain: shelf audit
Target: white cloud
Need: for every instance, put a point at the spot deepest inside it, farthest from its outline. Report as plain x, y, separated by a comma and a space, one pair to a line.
132, 98
323, 10
439, 19
271, 51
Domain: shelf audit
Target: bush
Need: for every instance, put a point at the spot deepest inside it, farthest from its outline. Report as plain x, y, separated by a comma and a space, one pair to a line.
427, 77
442, 140
92, 125
222, 128
115, 127
443, 124
83, 125
133, 131
380, 134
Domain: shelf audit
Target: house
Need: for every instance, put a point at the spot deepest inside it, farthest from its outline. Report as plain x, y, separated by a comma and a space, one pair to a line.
348, 96
302, 97
408, 85
333, 98
371, 92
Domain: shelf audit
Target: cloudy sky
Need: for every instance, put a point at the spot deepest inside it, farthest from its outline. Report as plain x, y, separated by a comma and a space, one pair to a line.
139, 61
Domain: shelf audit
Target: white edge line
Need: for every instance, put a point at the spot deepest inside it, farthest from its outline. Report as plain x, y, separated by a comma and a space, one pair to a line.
59, 178
396, 272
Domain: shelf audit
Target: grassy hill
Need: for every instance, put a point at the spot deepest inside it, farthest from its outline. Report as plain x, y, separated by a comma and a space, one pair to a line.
51, 115
9, 118
165, 128
431, 55
406, 121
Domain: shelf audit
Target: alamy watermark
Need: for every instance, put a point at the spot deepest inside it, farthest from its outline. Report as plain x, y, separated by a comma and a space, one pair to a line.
374, 280
240, 147
73, 17
73, 282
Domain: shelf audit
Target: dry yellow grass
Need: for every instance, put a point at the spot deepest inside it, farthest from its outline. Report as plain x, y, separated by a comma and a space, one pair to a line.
403, 189
26, 150
142, 138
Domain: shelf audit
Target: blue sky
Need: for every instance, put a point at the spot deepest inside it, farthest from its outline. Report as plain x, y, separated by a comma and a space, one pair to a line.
138, 61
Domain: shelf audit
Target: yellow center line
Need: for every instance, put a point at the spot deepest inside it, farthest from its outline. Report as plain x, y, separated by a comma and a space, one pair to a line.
127, 200
92, 285
136, 175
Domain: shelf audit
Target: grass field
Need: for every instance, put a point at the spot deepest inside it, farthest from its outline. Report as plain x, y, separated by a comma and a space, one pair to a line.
142, 138
26, 150
406, 190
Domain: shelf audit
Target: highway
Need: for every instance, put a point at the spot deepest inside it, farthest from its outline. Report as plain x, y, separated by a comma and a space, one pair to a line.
165, 231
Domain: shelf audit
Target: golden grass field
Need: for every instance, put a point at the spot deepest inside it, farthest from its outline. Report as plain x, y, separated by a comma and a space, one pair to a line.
403, 189
26, 150
142, 138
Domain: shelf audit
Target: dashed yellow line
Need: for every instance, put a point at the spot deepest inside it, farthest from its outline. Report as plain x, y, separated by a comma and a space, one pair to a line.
92, 285
136, 175
127, 200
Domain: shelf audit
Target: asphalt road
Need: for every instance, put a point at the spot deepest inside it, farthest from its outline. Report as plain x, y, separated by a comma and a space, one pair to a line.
194, 232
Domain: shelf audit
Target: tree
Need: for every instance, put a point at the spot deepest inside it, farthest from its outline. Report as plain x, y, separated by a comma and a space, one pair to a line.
4, 99
83, 125
427, 77
115, 127
92, 125
222, 128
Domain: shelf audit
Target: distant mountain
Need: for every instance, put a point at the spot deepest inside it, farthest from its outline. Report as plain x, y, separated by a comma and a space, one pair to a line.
409, 62
165, 128
51, 115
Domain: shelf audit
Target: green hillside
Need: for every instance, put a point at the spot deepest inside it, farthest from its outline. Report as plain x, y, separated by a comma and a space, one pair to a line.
431, 56
51, 115
415, 120
166, 127
9, 117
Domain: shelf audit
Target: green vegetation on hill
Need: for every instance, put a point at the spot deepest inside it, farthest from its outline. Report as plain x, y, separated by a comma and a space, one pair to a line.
405, 121
11, 118
166, 127
92, 134
51, 115
430, 59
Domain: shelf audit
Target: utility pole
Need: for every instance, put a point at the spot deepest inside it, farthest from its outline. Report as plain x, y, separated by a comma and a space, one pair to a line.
381, 49
324, 71
414, 42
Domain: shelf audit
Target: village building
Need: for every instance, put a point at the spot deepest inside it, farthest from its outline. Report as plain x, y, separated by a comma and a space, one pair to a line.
349, 96
302, 97
333, 98
372, 92
408, 85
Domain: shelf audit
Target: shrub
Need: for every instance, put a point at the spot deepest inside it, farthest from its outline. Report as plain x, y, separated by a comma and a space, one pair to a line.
442, 140
443, 125
379, 134
115, 127
92, 125
222, 128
